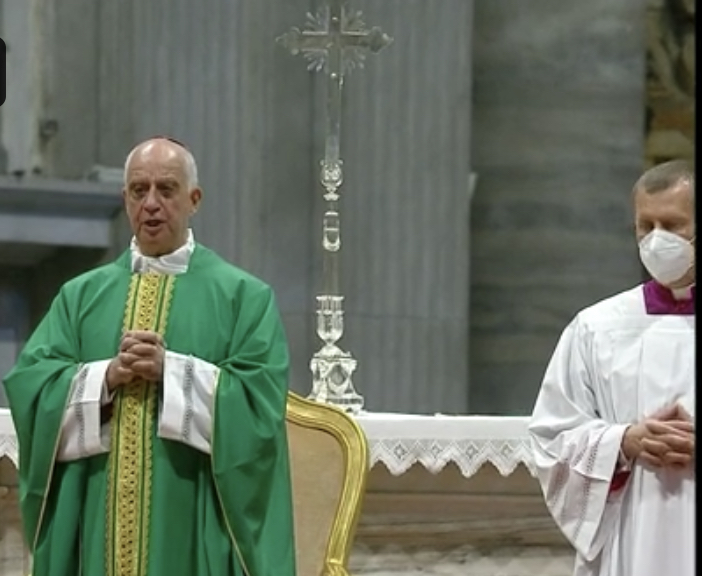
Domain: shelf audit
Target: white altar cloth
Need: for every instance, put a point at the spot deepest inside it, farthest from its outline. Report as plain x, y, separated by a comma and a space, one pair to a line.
401, 440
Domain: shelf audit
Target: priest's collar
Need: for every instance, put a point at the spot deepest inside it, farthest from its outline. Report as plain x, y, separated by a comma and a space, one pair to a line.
662, 300
174, 263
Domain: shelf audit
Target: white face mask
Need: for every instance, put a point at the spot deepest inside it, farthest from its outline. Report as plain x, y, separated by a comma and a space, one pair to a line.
666, 256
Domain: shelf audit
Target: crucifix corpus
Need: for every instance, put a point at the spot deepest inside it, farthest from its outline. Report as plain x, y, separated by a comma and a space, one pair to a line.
335, 40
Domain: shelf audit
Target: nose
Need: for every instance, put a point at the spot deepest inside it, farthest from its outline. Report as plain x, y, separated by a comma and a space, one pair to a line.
151, 203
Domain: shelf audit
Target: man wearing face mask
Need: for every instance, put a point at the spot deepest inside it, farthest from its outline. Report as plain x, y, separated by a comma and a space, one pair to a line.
613, 426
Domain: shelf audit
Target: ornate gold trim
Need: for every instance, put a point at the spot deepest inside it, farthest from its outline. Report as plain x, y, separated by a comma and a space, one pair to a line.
347, 431
130, 464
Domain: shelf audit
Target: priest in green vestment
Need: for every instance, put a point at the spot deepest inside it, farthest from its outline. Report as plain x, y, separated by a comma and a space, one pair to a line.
150, 402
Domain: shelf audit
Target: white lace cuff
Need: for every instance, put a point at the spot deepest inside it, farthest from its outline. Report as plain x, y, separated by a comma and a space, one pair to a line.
81, 434
188, 393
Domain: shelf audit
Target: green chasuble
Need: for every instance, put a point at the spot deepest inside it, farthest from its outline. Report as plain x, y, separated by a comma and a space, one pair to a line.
156, 507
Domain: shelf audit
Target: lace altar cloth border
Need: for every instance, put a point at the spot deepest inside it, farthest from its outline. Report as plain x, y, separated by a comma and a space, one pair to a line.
8, 441
400, 441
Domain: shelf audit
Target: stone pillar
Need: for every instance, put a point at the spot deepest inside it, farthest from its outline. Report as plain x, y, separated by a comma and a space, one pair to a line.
558, 142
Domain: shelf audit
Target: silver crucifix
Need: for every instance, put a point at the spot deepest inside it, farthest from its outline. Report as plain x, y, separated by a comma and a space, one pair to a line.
335, 40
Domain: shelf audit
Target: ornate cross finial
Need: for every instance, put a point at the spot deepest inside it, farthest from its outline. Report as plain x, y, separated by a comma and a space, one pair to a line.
335, 39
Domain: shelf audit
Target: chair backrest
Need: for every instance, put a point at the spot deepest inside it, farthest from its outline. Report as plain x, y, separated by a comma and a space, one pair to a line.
329, 467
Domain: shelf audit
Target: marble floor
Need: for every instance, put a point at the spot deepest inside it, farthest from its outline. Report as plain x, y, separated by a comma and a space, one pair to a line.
463, 560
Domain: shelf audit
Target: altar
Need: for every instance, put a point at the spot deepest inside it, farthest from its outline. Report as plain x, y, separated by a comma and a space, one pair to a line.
446, 495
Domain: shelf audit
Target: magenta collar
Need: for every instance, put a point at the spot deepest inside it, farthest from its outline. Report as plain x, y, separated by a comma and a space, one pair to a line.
660, 300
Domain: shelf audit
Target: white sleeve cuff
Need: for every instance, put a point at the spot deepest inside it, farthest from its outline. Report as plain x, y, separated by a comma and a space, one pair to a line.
80, 430
189, 385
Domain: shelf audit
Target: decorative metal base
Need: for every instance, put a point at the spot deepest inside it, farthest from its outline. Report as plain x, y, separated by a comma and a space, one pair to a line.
331, 379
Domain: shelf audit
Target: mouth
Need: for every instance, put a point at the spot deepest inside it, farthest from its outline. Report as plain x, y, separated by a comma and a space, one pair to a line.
153, 224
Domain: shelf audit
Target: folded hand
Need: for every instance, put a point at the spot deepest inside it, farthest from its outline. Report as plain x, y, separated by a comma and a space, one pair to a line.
141, 355
665, 439
143, 352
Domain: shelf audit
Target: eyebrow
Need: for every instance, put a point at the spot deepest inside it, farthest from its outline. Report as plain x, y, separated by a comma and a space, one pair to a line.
138, 180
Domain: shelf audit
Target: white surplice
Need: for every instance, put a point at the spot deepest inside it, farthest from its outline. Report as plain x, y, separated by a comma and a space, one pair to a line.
614, 365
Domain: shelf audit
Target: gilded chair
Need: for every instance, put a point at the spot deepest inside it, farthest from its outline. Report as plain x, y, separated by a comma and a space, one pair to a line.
329, 467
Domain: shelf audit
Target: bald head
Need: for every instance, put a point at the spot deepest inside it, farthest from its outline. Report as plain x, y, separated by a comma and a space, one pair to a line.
160, 194
164, 150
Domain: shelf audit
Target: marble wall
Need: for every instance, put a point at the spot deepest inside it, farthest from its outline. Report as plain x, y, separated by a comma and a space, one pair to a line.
558, 140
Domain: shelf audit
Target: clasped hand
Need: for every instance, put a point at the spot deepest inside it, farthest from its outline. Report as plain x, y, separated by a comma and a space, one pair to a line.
666, 439
141, 356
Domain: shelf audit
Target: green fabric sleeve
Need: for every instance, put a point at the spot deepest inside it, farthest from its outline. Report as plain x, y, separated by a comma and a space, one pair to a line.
37, 390
249, 445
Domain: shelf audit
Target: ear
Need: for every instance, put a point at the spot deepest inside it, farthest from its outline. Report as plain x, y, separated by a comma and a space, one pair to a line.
196, 198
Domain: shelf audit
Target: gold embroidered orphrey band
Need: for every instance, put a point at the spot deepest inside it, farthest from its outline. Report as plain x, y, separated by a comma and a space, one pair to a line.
130, 462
